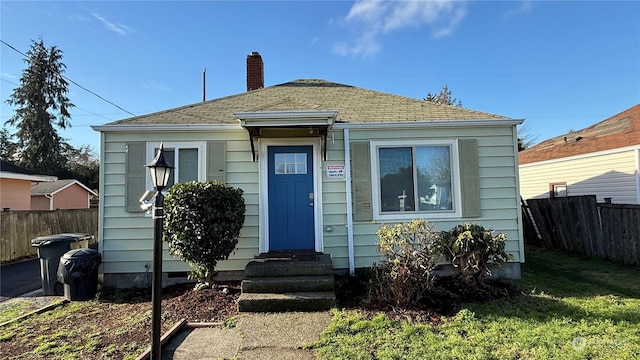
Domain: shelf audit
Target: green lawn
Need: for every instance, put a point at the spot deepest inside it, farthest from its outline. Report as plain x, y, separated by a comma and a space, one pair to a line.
571, 308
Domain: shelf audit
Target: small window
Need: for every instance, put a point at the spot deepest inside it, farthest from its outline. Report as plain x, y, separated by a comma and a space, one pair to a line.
558, 190
290, 163
184, 157
415, 179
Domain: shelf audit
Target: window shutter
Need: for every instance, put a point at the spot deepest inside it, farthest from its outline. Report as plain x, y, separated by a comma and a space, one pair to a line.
216, 161
361, 175
469, 178
135, 177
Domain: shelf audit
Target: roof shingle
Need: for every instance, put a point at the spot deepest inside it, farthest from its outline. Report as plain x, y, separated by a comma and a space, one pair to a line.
618, 131
354, 104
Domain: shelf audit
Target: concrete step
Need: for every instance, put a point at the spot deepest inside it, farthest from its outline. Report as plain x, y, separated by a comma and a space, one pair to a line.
305, 301
289, 267
288, 284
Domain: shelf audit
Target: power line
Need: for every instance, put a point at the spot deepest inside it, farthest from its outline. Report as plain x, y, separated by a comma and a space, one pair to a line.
75, 83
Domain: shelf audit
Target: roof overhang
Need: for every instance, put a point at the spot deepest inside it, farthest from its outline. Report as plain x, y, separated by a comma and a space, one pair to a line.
428, 123
165, 127
307, 123
18, 176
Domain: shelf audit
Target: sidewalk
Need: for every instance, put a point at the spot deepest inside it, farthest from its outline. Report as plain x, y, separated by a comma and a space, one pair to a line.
255, 336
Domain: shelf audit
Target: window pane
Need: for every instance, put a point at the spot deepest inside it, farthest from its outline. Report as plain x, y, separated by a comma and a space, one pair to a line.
396, 179
434, 178
169, 156
187, 165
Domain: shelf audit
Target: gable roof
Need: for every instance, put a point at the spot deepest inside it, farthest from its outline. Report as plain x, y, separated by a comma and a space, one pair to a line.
353, 104
53, 187
618, 131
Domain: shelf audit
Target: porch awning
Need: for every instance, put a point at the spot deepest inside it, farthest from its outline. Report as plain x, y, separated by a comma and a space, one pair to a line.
287, 124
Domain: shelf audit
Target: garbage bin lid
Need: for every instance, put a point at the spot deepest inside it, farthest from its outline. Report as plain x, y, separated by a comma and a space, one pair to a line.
49, 239
80, 254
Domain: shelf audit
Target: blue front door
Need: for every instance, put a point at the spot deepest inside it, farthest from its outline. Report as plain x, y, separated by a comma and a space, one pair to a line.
291, 198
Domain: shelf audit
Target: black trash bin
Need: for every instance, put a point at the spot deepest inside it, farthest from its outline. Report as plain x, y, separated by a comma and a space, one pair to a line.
78, 271
50, 249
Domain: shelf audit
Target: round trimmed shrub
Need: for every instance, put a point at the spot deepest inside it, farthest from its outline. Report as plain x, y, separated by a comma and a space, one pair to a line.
202, 224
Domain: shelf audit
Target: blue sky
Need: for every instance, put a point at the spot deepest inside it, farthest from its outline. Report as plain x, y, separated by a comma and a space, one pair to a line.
559, 65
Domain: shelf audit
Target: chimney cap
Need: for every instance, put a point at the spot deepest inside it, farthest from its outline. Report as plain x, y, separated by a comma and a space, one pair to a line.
255, 53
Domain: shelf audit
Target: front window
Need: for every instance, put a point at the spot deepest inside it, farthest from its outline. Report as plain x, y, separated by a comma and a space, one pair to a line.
415, 179
184, 157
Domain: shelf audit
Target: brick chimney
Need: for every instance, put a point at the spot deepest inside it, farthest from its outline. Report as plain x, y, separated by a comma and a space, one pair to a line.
255, 71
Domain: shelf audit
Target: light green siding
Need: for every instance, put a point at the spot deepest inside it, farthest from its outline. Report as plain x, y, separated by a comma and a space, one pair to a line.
126, 237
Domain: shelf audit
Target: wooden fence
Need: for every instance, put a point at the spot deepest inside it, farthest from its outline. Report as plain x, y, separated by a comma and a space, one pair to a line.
581, 225
17, 228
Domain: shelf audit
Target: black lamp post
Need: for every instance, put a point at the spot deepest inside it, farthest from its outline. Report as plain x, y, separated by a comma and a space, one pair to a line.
160, 172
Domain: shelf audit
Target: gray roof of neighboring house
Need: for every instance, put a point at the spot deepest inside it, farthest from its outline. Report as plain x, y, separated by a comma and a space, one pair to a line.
9, 167
354, 104
51, 187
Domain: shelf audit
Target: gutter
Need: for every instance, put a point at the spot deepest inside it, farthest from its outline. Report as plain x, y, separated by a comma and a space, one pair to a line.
347, 170
427, 123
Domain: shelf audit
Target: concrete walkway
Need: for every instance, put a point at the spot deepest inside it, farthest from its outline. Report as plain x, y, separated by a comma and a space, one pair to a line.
255, 336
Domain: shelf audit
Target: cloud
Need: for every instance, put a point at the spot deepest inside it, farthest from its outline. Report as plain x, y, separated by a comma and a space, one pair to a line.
117, 28
152, 85
372, 19
525, 7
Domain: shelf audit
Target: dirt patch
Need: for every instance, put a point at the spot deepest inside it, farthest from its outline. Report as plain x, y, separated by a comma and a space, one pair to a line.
117, 325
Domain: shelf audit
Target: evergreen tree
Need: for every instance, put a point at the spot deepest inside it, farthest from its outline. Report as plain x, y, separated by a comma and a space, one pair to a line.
41, 105
7, 146
443, 97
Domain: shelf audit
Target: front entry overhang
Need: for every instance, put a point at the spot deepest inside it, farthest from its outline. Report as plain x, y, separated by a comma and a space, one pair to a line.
287, 124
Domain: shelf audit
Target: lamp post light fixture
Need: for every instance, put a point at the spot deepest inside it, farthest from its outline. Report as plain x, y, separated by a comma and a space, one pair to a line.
160, 172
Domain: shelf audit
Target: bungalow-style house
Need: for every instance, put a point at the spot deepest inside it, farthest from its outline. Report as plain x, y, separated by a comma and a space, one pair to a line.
15, 186
602, 160
322, 166
60, 194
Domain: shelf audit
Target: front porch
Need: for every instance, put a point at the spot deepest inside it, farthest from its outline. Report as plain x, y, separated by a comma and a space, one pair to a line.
288, 281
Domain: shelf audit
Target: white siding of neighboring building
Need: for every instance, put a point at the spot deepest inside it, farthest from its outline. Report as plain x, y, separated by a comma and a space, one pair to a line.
605, 174
126, 238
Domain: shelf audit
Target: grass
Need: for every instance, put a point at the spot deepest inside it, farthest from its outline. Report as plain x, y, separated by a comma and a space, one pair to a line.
571, 308
15, 310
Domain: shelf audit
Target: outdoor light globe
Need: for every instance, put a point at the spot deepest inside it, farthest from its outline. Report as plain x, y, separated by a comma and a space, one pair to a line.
159, 170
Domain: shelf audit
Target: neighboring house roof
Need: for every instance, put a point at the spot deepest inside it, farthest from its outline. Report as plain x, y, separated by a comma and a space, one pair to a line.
354, 104
618, 131
11, 171
53, 187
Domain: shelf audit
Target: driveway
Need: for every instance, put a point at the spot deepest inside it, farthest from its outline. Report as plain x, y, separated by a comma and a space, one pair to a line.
19, 278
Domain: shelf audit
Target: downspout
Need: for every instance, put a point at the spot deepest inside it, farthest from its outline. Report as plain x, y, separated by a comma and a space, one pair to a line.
50, 201
347, 170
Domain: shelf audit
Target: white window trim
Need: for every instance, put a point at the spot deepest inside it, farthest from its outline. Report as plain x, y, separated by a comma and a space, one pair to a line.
455, 181
200, 145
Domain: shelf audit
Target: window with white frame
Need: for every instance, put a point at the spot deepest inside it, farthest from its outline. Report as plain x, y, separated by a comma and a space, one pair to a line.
415, 178
186, 158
